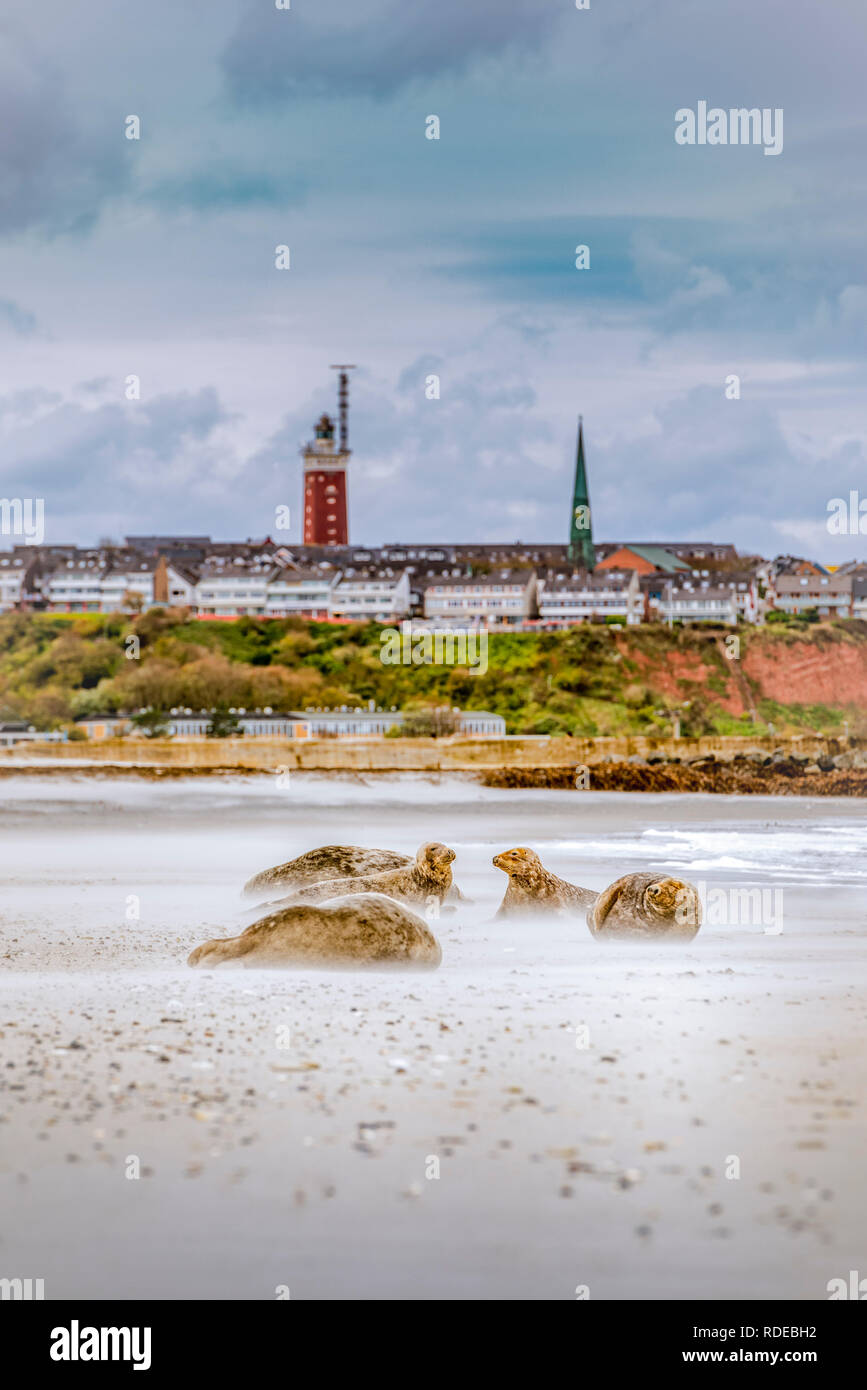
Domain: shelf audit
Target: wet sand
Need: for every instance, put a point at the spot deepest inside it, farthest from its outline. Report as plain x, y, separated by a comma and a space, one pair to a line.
288, 1126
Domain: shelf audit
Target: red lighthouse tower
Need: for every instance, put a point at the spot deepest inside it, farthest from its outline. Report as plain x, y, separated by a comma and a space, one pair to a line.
325, 467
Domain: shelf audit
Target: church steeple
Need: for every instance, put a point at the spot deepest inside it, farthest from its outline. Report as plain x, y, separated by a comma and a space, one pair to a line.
581, 551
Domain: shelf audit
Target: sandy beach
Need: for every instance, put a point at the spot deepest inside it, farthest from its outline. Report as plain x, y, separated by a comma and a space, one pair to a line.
541, 1115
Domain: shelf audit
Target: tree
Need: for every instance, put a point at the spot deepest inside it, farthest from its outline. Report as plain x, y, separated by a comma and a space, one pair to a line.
152, 723
224, 723
429, 721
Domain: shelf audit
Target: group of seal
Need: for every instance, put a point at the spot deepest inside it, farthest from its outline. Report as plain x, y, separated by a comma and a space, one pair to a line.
347, 906
421, 880
637, 906
353, 906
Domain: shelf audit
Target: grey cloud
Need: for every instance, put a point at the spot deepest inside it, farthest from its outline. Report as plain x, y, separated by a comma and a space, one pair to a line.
345, 49
716, 468
64, 451
456, 468
26, 404
219, 187
18, 320
53, 172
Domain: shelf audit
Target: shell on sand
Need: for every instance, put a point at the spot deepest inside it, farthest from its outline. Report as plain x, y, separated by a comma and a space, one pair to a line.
360, 931
328, 861
532, 889
427, 877
646, 907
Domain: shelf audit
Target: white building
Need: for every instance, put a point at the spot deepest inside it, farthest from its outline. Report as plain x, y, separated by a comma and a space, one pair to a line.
296, 724
126, 585
371, 595
17, 731
114, 583
303, 593
830, 594
12, 572
75, 586
689, 603
361, 723
251, 723
232, 590
502, 598
181, 586
566, 598
481, 723
750, 605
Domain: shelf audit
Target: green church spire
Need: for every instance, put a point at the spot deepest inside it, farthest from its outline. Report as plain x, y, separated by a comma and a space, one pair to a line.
581, 550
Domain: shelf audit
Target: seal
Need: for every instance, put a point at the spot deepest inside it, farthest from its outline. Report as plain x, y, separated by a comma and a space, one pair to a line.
532, 889
646, 907
360, 930
328, 861
429, 876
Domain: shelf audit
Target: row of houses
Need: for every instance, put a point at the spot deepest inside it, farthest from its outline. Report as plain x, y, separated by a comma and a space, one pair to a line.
296, 724
630, 584
13, 731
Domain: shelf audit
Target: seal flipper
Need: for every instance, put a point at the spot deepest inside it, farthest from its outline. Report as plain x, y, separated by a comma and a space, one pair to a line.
603, 906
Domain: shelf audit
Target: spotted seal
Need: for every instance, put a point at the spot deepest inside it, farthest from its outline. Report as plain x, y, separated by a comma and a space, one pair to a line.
532, 889
646, 907
428, 876
360, 930
328, 861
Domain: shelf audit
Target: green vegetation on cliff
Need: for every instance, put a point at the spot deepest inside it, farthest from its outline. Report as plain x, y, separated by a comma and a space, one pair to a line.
590, 680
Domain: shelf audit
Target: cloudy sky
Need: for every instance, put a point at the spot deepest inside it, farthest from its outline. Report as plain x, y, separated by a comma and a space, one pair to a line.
306, 127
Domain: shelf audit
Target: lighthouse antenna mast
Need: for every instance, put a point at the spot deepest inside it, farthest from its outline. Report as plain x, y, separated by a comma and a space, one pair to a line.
344, 368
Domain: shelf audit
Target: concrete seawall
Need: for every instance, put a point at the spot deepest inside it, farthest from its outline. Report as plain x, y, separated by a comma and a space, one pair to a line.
404, 754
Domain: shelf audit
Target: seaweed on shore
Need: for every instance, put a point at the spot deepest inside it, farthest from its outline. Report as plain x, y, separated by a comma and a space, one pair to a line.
779, 779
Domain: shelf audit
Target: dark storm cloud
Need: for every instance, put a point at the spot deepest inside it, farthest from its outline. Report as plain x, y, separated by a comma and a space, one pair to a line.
341, 48
54, 170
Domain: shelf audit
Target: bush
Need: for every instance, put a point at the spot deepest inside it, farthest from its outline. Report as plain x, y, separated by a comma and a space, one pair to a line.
152, 723
547, 724
224, 724
435, 721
